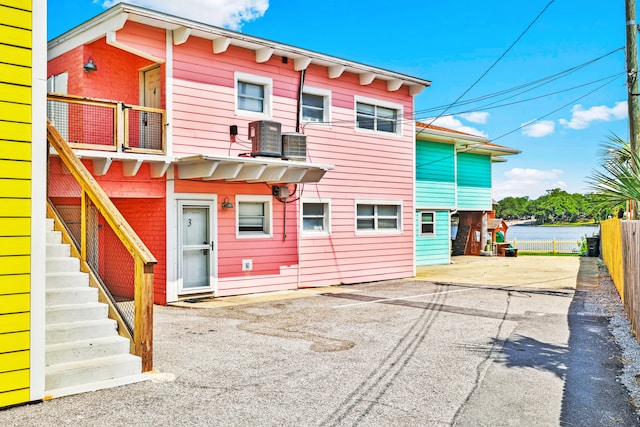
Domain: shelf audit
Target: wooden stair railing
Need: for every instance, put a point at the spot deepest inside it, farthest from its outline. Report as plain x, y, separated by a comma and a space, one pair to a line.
144, 261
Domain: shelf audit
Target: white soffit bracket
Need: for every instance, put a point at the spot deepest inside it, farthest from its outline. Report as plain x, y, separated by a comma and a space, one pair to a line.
264, 54
112, 41
393, 85
273, 173
336, 71
294, 175
101, 166
366, 78
181, 35
158, 169
250, 172
131, 167
201, 169
313, 175
301, 63
415, 89
226, 171
221, 44
88, 36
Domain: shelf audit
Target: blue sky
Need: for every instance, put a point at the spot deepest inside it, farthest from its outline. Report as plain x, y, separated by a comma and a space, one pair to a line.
453, 44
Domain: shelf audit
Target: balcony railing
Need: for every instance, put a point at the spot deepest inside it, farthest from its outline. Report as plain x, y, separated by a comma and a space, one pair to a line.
96, 124
118, 262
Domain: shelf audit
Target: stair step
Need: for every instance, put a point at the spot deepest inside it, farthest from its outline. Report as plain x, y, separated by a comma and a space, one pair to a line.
65, 296
49, 225
74, 279
86, 371
62, 264
79, 331
58, 250
67, 313
54, 237
84, 350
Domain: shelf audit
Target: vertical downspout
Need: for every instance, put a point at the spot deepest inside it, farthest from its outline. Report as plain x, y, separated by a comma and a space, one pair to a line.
299, 109
299, 204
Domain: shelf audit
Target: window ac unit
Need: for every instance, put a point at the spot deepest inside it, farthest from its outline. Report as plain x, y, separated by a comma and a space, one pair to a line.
265, 138
294, 146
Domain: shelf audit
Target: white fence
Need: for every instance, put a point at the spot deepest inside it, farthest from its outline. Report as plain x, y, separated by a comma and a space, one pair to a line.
553, 246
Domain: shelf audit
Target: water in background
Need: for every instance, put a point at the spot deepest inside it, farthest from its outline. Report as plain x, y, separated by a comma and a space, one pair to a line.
537, 232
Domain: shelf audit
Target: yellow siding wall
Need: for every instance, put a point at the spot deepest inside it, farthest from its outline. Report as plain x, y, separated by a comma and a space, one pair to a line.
15, 199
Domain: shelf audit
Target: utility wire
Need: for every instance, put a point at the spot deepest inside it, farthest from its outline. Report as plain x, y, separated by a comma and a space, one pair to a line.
496, 61
492, 105
609, 79
538, 83
556, 110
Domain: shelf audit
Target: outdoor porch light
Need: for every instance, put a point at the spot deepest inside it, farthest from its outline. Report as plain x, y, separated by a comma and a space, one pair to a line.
226, 204
90, 66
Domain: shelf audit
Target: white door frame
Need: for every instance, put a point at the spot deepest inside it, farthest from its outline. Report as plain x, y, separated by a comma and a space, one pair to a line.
174, 278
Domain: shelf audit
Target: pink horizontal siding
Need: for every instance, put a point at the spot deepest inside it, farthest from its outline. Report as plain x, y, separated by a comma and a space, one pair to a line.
269, 255
143, 38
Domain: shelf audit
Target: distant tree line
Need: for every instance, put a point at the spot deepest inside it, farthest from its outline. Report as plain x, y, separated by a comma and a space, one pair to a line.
557, 206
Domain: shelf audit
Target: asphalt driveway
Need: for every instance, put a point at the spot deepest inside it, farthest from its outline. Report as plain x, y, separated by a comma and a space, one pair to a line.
494, 342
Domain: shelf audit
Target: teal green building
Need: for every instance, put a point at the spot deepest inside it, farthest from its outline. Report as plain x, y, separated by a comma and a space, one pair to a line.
453, 177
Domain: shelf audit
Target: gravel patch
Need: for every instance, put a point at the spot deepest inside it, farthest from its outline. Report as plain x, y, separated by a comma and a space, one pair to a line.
606, 302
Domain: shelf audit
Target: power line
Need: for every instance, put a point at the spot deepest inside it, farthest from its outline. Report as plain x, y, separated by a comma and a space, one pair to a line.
542, 81
556, 110
492, 105
496, 61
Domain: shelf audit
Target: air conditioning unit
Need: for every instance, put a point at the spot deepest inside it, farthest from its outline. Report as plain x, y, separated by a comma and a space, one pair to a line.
265, 138
294, 146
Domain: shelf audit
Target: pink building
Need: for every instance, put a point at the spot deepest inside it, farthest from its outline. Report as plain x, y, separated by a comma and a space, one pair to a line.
245, 165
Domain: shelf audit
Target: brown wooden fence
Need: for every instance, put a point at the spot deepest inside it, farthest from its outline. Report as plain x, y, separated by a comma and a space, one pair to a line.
621, 255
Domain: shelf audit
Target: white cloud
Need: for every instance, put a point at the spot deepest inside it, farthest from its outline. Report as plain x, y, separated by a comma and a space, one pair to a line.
521, 182
539, 129
479, 117
451, 122
221, 13
581, 118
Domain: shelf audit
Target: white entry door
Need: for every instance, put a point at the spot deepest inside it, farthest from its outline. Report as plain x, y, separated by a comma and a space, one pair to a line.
196, 254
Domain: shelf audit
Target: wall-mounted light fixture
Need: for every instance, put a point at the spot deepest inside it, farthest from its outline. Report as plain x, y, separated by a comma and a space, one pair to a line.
90, 66
226, 204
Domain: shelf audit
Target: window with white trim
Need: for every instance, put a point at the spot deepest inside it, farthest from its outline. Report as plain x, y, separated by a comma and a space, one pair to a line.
316, 217
253, 216
378, 116
427, 223
378, 216
316, 105
253, 95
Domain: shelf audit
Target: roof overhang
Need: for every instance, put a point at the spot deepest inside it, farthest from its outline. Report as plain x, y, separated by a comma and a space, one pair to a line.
465, 142
114, 19
210, 168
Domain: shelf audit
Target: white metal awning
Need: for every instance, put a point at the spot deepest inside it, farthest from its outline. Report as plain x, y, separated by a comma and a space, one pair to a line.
249, 169
210, 168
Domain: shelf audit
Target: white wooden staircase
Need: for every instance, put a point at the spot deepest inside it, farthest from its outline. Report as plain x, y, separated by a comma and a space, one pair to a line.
83, 349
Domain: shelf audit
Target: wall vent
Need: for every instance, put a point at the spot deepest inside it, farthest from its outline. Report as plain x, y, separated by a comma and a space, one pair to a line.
294, 146
265, 138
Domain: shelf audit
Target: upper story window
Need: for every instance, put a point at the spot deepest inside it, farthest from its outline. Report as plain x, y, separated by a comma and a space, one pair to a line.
254, 216
378, 216
253, 95
378, 116
316, 104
